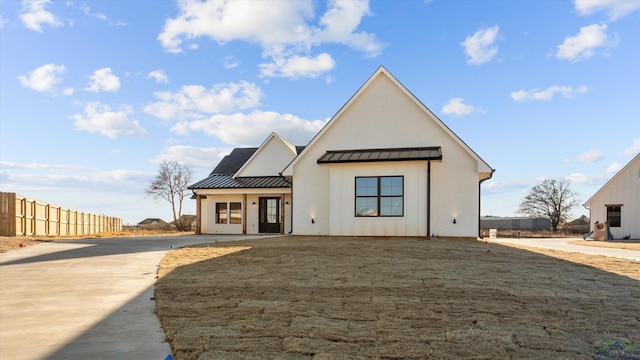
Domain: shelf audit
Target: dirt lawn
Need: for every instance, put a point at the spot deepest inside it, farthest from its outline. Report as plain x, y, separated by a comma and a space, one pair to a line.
392, 298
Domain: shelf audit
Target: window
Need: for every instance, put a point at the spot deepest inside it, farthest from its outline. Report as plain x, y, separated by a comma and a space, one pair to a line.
236, 213
221, 213
613, 215
229, 213
378, 196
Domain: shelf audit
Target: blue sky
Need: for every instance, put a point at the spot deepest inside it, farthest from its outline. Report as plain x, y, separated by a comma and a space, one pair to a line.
95, 94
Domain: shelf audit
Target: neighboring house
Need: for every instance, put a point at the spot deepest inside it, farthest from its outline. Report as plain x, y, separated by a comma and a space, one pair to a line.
188, 222
384, 165
618, 202
533, 224
577, 226
152, 221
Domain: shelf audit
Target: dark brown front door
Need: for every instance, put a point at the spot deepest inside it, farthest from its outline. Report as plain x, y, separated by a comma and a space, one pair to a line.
269, 215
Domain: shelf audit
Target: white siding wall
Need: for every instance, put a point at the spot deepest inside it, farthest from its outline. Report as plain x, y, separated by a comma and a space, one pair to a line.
343, 219
623, 189
270, 159
209, 225
384, 117
208, 215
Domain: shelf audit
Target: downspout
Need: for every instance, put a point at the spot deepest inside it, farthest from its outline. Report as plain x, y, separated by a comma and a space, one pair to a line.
291, 208
428, 198
479, 199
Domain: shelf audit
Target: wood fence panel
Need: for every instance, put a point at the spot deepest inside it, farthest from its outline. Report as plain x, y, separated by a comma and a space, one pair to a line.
21, 216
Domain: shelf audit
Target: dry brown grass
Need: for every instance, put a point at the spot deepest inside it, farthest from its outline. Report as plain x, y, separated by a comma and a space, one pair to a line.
392, 298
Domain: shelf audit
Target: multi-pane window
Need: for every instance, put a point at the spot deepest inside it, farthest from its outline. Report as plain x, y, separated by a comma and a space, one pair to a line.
613, 215
379, 196
235, 209
229, 213
221, 213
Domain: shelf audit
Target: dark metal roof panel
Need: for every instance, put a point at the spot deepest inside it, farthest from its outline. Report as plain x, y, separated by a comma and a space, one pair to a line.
373, 155
229, 182
231, 163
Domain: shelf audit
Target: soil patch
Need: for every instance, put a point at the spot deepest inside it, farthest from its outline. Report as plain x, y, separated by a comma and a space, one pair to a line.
392, 298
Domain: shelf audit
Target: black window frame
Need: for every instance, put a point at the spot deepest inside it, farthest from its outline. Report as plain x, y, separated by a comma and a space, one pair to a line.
225, 212
614, 215
222, 214
378, 197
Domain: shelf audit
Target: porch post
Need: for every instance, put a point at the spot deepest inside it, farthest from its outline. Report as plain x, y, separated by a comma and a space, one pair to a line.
198, 214
428, 198
282, 214
244, 214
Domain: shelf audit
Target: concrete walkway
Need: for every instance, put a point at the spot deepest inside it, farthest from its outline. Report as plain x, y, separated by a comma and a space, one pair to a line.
85, 299
563, 245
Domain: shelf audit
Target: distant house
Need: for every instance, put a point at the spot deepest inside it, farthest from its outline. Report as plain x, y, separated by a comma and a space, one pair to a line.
533, 224
578, 226
187, 221
151, 221
384, 165
618, 202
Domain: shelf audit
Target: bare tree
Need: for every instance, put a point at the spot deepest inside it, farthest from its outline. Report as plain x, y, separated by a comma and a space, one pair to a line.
552, 198
171, 185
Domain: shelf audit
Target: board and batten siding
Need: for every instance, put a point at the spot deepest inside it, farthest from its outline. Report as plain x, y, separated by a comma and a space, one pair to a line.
382, 115
623, 189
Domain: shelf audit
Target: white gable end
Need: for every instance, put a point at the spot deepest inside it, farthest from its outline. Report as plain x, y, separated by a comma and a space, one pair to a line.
384, 115
271, 157
622, 190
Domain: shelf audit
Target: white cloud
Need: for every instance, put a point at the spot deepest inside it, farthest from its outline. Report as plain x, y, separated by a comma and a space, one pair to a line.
341, 23
43, 78
159, 76
480, 47
583, 45
546, 95
103, 80
615, 9
282, 28
614, 168
457, 107
298, 66
230, 62
589, 156
99, 118
194, 156
634, 149
34, 15
38, 166
68, 91
87, 11
251, 129
586, 179
194, 101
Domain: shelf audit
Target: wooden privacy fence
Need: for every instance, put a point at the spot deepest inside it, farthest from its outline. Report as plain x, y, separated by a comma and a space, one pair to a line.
27, 217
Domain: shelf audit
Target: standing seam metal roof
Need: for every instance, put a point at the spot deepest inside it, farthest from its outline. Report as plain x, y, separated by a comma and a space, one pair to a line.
372, 155
229, 182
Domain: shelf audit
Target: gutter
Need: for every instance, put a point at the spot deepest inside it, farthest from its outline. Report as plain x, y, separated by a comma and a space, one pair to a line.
479, 202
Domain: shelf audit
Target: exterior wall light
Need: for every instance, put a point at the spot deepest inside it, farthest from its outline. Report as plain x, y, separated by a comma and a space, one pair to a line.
454, 220
313, 221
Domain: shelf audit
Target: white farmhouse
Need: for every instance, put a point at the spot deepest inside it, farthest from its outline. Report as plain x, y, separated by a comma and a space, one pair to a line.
384, 165
618, 202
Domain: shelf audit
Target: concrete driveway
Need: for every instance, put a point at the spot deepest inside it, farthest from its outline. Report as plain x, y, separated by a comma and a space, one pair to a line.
85, 299
563, 245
